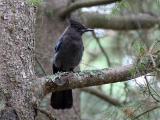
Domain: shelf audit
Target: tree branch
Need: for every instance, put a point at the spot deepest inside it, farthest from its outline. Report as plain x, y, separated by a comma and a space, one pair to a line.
78, 5
127, 22
62, 81
102, 96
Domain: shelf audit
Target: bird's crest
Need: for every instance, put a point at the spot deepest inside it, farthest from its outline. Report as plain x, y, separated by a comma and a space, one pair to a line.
76, 24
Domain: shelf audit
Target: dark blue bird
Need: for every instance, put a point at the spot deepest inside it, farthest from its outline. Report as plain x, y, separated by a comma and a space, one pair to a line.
68, 54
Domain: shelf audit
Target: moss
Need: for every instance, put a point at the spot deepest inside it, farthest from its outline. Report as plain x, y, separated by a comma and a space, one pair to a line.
132, 72
35, 2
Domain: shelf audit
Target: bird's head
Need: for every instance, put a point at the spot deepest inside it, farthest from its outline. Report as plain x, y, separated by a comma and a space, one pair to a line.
79, 27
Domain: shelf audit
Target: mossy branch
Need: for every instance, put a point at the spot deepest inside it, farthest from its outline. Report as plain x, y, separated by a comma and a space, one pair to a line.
70, 80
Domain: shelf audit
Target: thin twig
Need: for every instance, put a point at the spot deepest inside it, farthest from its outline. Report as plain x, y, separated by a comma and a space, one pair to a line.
150, 93
147, 111
48, 114
102, 49
102, 96
40, 65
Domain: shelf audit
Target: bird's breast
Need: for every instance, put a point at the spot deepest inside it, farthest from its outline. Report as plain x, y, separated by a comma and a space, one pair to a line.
70, 55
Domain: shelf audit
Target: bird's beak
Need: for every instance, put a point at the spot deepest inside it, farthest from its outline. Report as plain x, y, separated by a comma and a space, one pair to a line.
89, 29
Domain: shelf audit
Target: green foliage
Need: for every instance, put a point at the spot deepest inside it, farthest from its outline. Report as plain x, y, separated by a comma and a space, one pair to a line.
119, 44
132, 72
139, 48
118, 7
141, 66
35, 2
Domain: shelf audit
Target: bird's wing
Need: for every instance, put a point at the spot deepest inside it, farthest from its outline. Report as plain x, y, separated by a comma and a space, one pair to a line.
60, 41
59, 44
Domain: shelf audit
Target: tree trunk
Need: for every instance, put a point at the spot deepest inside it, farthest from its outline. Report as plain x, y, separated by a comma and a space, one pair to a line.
16, 60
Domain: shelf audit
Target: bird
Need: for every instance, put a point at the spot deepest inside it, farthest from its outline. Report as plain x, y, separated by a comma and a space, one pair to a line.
68, 54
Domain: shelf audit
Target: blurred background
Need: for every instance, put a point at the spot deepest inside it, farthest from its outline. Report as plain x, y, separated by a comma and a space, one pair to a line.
125, 32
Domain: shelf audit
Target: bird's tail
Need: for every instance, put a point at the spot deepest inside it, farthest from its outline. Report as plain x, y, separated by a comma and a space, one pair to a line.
61, 99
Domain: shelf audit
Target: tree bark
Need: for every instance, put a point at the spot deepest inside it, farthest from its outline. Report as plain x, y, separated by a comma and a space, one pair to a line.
127, 22
16, 59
